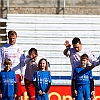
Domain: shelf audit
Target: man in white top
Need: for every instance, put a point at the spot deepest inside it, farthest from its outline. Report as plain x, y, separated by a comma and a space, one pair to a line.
75, 53
14, 52
31, 61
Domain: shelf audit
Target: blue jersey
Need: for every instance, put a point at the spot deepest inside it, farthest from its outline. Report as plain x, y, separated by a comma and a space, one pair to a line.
42, 78
7, 80
82, 75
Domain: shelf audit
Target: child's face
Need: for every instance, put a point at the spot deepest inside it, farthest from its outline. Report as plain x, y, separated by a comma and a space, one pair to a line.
32, 55
43, 64
7, 66
84, 62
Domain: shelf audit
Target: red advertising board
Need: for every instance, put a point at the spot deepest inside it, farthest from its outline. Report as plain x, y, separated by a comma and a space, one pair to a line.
62, 93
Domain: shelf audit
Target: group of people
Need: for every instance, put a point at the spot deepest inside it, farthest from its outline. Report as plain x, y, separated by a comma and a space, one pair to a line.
82, 61
37, 74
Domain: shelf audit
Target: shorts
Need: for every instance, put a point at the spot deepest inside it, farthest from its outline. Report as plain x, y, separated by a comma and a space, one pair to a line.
19, 93
29, 88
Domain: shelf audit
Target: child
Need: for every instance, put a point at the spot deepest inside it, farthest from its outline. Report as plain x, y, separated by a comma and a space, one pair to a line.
8, 85
42, 80
31, 62
82, 82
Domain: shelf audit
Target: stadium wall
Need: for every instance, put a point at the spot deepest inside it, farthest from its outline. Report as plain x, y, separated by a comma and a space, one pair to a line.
87, 7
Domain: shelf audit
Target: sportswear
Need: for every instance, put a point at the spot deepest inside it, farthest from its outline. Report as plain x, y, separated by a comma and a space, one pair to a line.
42, 79
75, 57
7, 83
15, 53
31, 67
82, 78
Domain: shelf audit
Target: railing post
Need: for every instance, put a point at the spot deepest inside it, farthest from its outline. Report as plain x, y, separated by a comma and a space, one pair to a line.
7, 6
64, 4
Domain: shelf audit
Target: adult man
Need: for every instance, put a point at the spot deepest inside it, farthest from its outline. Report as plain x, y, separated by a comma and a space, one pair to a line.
15, 53
75, 53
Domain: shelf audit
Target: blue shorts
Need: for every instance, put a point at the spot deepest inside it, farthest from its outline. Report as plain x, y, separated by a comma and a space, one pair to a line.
83, 91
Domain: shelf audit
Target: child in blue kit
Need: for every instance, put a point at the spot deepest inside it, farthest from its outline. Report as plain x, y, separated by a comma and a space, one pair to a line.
42, 80
82, 82
8, 85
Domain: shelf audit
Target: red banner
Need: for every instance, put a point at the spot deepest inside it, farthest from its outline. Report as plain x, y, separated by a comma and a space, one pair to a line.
62, 93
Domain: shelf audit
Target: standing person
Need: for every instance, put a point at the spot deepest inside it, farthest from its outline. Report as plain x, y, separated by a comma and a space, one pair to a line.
15, 53
8, 85
31, 61
75, 53
82, 81
42, 80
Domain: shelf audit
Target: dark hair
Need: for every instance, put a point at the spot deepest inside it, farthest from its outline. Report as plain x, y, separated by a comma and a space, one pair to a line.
12, 33
76, 40
32, 49
46, 68
84, 56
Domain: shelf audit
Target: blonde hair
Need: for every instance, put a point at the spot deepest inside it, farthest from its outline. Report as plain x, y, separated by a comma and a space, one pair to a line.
46, 68
7, 61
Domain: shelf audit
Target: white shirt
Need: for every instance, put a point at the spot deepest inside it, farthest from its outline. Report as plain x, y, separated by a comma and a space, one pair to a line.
31, 67
75, 57
16, 54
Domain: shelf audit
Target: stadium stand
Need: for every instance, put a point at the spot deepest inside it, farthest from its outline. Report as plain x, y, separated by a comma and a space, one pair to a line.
48, 33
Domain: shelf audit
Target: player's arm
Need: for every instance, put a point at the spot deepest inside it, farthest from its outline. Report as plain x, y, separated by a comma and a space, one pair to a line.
91, 83
47, 89
22, 64
92, 86
36, 86
95, 63
27, 59
74, 92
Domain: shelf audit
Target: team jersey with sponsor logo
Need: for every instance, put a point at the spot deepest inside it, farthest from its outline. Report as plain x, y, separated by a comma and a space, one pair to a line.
7, 80
82, 76
15, 53
43, 78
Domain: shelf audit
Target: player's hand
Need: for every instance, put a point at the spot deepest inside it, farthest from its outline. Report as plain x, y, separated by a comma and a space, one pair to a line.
40, 92
0, 95
43, 92
75, 92
67, 44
